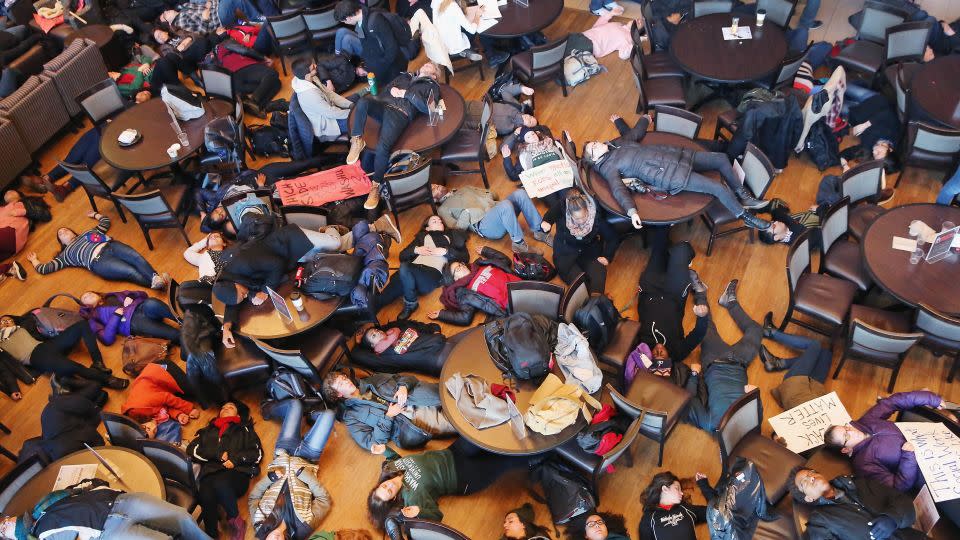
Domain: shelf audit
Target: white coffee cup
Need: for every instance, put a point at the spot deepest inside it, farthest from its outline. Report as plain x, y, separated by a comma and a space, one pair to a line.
761, 16
173, 150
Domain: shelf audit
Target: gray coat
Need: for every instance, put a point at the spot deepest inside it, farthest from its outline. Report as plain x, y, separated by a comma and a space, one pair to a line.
663, 168
367, 421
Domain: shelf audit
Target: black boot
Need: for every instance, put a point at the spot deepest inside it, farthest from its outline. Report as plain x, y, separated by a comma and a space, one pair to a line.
116, 383
768, 326
753, 221
696, 283
408, 309
729, 295
771, 362
749, 201
100, 366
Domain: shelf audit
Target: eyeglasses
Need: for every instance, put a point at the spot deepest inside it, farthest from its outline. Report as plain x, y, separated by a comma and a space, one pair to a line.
595, 523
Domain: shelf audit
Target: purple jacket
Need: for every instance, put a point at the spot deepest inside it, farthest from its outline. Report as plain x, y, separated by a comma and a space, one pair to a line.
106, 323
879, 456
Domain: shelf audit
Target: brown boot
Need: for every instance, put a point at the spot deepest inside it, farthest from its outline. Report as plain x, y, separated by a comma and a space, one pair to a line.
384, 225
356, 146
373, 199
35, 183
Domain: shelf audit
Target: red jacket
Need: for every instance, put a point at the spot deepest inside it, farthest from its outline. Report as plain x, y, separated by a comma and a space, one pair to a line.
491, 282
233, 61
153, 390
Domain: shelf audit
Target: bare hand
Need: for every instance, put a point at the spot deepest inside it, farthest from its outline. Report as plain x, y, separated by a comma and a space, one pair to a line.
860, 128
674, 18
401, 395
747, 388
228, 340
947, 29
615, 117
145, 68
195, 413
183, 419
228, 464
700, 310
433, 315
394, 409
329, 85
505, 150
259, 298
378, 449
907, 447
397, 92
526, 90
699, 476
478, 250
928, 54
32, 257
92, 215
695, 368
268, 61
635, 221
16, 396
617, 11
261, 179
224, 457
127, 301
544, 226
410, 511
603, 261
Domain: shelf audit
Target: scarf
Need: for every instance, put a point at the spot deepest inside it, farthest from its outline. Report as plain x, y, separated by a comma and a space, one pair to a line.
581, 229
225, 422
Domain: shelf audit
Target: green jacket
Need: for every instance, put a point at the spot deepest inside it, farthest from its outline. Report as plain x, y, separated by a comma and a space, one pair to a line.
426, 478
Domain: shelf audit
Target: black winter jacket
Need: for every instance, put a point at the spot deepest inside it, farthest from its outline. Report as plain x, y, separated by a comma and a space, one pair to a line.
864, 500
601, 242
471, 301
677, 523
418, 93
239, 441
337, 69
423, 356
663, 168
381, 52
454, 241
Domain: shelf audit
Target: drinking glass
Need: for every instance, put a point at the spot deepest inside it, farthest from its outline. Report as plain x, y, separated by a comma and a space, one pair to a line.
734, 25
182, 137
916, 256
947, 225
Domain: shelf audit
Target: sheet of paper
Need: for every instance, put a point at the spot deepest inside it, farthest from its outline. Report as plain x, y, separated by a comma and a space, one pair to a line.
803, 425
743, 32
938, 455
501, 2
280, 304
904, 244
737, 168
486, 24
72, 474
490, 9
927, 515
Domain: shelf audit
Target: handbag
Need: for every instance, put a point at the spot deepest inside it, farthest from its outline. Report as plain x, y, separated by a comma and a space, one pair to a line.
408, 435
533, 266
51, 321
139, 351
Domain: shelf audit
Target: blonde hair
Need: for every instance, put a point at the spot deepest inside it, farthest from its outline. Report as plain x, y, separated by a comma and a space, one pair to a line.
444, 4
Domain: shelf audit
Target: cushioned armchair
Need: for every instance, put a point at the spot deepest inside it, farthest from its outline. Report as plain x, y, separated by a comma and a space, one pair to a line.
77, 68
16, 158
36, 110
541, 63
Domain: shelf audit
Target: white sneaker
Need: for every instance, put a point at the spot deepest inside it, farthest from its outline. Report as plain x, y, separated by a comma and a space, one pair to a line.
600, 12
473, 57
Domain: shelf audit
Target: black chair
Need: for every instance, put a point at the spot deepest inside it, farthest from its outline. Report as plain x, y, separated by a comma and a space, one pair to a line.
234, 205
410, 189
930, 147
3, 449
463, 63
541, 63
123, 431
22, 472
467, 146
534, 297
779, 12
176, 469
290, 35
862, 185
102, 101
243, 366
709, 7
941, 335
102, 181
839, 257
217, 82
657, 403
787, 71
322, 25
309, 217
677, 121
878, 337
421, 529
651, 92
316, 356
656, 64
159, 209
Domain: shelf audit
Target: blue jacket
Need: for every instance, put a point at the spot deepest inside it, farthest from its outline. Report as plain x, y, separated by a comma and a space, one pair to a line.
724, 383
299, 131
367, 420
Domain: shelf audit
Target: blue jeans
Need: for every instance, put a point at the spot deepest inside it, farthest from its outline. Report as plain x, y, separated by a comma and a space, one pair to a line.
596, 5
392, 125
9, 81
347, 41
311, 446
950, 189
809, 14
226, 11
206, 380
86, 151
502, 218
120, 262
148, 320
813, 362
139, 516
797, 38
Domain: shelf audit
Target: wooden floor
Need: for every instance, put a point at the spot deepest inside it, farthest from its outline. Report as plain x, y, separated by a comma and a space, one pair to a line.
349, 473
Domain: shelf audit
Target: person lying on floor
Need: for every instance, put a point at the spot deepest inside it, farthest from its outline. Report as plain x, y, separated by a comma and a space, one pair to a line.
482, 287
127, 313
475, 209
402, 345
70, 418
160, 392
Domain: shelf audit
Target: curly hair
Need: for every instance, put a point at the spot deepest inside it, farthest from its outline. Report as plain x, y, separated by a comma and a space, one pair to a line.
330, 394
651, 494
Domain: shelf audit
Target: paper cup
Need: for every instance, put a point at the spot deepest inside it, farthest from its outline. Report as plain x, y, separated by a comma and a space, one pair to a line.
761, 16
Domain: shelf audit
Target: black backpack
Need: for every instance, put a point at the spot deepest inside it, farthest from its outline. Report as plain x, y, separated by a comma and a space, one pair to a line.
597, 318
401, 32
286, 383
565, 493
533, 266
266, 140
522, 344
822, 146
329, 274
278, 119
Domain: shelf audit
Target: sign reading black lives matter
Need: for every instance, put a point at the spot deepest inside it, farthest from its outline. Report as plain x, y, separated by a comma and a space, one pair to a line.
938, 454
803, 425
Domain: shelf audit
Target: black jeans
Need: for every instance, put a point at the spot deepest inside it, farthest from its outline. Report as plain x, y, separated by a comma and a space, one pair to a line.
120, 262
573, 259
148, 321
476, 468
51, 356
667, 269
411, 281
392, 124
258, 80
715, 161
814, 360
205, 378
743, 351
291, 169
218, 490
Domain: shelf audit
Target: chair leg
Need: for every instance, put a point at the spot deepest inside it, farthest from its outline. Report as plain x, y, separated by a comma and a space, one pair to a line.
186, 238
786, 318
716, 131
283, 64
955, 368
660, 457
843, 360
713, 237
146, 235
123, 217
483, 173
893, 377
563, 85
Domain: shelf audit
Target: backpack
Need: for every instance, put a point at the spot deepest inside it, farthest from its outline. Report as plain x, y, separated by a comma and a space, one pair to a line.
52, 321
266, 140
821, 145
580, 66
185, 104
504, 79
597, 318
402, 161
278, 119
564, 491
401, 32
533, 266
329, 274
221, 137
522, 344
286, 383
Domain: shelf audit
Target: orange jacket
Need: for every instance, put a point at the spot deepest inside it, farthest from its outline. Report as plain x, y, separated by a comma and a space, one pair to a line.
152, 390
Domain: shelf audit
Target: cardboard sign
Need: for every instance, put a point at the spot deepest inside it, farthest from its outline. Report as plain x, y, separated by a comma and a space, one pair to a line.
803, 425
938, 454
317, 189
547, 178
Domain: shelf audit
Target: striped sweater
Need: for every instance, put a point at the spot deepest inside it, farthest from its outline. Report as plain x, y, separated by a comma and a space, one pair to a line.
79, 253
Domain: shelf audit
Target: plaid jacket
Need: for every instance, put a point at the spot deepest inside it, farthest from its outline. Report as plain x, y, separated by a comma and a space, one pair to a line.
190, 18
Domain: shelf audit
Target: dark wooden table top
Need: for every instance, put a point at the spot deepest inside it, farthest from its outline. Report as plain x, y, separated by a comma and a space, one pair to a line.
419, 135
136, 471
153, 122
931, 284
935, 88
674, 208
699, 48
517, 20
264, 322
100, 34
471, 357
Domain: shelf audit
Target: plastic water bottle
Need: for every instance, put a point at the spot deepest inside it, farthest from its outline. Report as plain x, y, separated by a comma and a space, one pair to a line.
372, 83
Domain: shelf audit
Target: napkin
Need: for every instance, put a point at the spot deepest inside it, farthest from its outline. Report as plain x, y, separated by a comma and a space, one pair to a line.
904, 244
127, 136
925, 232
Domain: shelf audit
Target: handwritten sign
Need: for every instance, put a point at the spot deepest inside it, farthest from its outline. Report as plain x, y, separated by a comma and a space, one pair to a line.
803, 425
547, 178
938, 454
317, 189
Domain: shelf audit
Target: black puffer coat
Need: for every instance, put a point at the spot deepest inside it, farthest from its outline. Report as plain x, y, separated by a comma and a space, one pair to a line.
337, 69
239, 441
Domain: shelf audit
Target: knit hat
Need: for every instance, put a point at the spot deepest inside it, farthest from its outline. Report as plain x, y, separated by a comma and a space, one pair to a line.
526, 516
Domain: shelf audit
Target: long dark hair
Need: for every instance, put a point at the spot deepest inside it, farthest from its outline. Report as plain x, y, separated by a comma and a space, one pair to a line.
651, 495
577, 529
273, 520
379, 509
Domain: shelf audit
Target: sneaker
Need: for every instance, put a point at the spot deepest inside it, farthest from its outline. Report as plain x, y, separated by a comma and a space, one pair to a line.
356, 146
385, 226
157, 282
61, 191
238, 528
771, 362
522, 247
886, 195
18, 271
541, 236
495, 59
373, 198
600, 12
116, 383
40, 184
816, 24
472, 56
696, 283
729, 296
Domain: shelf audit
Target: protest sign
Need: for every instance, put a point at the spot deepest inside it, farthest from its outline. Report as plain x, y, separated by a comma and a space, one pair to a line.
803, 425
938, 454
317, 189
547, 178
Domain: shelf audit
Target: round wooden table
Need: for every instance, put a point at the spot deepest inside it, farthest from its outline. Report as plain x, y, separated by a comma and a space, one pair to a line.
419, 135
931, 284
935, 90
152, 120
471, 357
264, 322
137, 472
517, 20
699, 48
672, 209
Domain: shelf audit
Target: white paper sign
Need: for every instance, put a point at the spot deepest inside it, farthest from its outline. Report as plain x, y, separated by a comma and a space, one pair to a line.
547, 178
73, 474
803, 425
938, 454
743, 32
